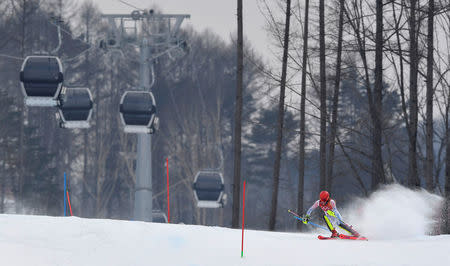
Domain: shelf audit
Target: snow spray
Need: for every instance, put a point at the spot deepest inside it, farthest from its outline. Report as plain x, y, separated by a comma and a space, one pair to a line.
394, 212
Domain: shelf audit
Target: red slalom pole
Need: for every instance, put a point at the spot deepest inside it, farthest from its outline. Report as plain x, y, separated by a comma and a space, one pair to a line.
243, 215
168, 198
68, 200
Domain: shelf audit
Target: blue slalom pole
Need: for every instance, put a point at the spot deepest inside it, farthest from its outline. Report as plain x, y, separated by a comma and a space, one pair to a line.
65, 194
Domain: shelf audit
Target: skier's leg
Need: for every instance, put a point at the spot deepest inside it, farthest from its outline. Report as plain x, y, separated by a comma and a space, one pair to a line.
348, 228
328, 222
330, 226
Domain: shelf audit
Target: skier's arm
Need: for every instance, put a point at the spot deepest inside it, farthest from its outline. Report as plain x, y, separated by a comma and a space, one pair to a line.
313, 207
338, 215
335, 210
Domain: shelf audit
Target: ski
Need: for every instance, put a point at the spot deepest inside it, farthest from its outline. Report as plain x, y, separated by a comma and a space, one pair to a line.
326, 237
341, 236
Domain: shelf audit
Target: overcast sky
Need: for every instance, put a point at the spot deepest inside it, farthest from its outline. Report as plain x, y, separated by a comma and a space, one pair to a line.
218, 15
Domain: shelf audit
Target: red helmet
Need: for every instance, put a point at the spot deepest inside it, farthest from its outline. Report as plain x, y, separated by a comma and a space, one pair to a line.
324, 196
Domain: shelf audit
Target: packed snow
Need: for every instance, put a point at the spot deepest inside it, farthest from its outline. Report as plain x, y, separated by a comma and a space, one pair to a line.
395, 219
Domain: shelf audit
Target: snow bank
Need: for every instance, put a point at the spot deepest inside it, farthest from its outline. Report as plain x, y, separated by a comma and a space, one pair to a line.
394, 212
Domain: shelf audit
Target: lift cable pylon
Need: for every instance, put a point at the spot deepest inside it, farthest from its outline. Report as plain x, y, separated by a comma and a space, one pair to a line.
143, 120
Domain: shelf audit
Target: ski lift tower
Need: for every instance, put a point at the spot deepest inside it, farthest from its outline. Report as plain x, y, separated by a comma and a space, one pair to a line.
156, 35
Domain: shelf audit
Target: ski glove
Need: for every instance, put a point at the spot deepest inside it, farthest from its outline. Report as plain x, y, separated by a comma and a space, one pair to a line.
306, 218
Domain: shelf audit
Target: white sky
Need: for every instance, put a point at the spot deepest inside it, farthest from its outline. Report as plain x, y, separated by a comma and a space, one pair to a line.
217, 15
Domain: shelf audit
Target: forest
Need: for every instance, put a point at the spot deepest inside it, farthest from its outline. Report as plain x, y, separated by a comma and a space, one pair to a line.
353, 96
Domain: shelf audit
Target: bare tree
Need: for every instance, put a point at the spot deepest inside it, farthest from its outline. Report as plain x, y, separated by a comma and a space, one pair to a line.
301, 148
323, 97
24, 9
377, 160
337, 84
413, 105
447, 156
374, 96
87, 13
238, 119
446, 209
429, 100
276, 169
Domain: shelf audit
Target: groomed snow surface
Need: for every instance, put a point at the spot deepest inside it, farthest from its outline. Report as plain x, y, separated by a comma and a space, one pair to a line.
396, 221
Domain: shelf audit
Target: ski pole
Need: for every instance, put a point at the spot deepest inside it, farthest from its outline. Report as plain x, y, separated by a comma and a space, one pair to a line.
316, 225
298, 218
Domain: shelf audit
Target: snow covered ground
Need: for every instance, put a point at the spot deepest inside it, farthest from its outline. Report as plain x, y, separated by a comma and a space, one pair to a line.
40, 240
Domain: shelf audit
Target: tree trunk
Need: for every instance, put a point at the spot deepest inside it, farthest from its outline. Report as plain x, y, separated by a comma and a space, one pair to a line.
447, 166
85, 193
2, 184
413, 176
276, 168
337, 82
401, 76
301, 161
22, 109
238, 120
377, 159
374, 96
323, 98
429, 115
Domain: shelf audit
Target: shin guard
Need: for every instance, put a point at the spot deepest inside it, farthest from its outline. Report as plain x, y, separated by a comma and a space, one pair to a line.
329, 224
349, 229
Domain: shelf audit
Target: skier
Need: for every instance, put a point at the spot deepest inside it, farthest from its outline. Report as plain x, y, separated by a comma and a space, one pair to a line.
331, 215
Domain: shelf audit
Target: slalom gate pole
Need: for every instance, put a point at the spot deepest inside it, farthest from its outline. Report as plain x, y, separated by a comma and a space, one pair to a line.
68, 200
311, 223
168, 198
243, 215
65, 193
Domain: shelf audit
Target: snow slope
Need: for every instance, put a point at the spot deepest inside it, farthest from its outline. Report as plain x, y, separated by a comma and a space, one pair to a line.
40, 240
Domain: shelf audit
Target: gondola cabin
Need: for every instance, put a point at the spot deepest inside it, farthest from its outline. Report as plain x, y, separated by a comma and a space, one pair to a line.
75, 107
138, 112
209, 189
41, 80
